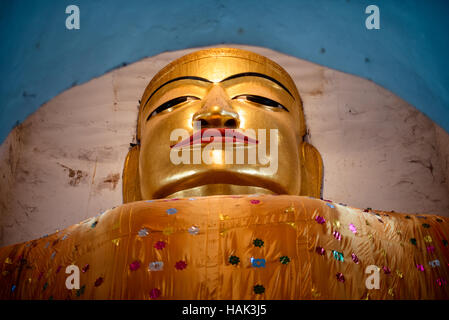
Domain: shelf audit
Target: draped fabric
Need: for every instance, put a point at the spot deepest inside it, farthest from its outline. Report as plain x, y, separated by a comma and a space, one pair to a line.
235, 247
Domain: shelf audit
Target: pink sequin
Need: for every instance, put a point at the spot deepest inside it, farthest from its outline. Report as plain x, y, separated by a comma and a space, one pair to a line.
85, 268
181, 265
441, 282
337, 235
386, 270
355, 258
254, 201
155, 293
99, 281
420, 267
134, 265
340, 277
320, 251
159, 245
320, 219
352, 228
430, 249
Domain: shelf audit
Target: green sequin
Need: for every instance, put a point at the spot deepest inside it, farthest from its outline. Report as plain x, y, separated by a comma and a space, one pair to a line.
259, 289
80, 291
258, 243
234, 260
284, 259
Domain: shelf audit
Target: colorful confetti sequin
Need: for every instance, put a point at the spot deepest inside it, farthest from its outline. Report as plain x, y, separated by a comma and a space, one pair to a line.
352, 228
330, 205
193, 230
413, 241
143, 232
428, 239
391, 292
434, 263
337, 235
320, 219
441, 282
420, 267
159, 245
355, 258
156, 266
98, 282
171, 211
284, 259
291, 209
133, 266
320, 250
258, 263
338, 255
155, 293
254, 201
234, 260
80, 291
180, 265
258, 243
85, 268
259, 289
386, 270
340, 277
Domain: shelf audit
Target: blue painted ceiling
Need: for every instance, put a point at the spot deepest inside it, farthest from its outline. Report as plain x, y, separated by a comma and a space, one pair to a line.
40, 58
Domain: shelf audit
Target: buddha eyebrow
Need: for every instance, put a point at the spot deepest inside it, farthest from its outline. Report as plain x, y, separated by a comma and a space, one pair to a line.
173, 80
260, 75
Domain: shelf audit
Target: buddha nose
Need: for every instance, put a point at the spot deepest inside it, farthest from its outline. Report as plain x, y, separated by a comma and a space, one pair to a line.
216, 111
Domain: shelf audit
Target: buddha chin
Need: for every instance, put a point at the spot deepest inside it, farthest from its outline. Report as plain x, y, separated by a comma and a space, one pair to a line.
222, 201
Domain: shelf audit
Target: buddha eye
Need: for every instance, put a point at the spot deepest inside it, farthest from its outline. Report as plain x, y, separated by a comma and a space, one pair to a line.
171, 103
261, 100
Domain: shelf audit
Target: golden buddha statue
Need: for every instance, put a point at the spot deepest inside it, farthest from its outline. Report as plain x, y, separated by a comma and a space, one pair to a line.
200, 222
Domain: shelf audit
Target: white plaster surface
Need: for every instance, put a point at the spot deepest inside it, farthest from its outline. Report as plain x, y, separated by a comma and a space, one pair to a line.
64, 163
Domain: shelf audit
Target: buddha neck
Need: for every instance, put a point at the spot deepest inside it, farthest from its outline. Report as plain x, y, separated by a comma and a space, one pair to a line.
218, 189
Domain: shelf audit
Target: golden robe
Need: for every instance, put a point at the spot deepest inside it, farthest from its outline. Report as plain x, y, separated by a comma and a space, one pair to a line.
235, 247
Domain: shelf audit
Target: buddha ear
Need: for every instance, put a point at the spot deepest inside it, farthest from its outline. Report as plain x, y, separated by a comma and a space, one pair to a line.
311, 171
131, 178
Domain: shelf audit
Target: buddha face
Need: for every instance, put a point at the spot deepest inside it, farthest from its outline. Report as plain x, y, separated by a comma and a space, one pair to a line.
223, 89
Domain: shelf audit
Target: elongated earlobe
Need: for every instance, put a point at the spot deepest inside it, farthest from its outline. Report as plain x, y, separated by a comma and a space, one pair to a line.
130, 178
311, 171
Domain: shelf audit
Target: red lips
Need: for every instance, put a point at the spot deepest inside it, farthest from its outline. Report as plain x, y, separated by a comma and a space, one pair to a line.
210, 135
